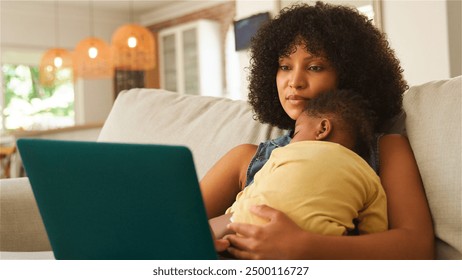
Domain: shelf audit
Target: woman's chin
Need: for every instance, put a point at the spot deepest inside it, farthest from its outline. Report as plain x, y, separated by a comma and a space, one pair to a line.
293, 113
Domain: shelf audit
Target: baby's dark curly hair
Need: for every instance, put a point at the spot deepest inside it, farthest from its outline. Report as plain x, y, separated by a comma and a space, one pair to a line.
356, 49
349, 112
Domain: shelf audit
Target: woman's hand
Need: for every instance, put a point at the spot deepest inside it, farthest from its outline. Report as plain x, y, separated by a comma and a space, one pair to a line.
221, 245
281, 238
218, 227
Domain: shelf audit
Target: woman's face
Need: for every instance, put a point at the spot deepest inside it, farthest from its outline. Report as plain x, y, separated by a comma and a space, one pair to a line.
300, 77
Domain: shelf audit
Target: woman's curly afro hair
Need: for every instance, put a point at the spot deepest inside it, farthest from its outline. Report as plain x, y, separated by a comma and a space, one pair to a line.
357, 50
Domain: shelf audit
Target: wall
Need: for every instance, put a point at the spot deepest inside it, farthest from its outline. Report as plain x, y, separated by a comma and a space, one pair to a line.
454, 9
245, 9
28, 28
93, 100
418, 32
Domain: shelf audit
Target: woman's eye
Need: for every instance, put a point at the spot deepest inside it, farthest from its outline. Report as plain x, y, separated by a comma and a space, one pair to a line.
315, 68
283, 67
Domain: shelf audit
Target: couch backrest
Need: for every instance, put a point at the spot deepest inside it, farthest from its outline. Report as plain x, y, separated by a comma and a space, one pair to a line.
433, 126
209, 126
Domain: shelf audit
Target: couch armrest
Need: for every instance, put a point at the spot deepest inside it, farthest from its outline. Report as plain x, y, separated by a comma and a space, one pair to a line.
21, 226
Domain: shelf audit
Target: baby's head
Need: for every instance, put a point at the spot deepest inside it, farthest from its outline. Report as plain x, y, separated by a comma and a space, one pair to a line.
340, 116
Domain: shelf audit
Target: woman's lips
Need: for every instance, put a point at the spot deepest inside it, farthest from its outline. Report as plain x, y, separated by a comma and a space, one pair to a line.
296, 99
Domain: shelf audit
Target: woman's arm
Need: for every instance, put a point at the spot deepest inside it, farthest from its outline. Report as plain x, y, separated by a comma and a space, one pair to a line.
410, 235
226, 179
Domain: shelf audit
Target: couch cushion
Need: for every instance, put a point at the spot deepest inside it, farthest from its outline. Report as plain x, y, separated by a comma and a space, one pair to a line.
21, 226
433, 126
209, 126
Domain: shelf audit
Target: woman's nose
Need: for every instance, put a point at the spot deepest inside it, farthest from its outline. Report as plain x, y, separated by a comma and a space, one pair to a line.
298, 79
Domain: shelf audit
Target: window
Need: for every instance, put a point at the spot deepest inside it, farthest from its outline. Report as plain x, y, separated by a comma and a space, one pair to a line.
27, 105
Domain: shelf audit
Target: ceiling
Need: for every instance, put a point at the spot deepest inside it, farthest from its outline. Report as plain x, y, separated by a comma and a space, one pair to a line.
111, 5
138, 6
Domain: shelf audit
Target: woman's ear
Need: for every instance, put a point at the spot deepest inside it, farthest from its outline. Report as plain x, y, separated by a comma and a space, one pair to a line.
324, 129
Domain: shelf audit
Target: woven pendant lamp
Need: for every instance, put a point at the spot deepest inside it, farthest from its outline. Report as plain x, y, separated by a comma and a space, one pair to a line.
133, 47
54, 59
92, 56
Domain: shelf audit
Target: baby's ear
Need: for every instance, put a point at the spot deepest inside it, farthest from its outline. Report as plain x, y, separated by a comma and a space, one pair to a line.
324, 129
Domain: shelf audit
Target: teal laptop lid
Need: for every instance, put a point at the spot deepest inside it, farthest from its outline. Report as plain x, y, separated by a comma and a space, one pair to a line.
118, 201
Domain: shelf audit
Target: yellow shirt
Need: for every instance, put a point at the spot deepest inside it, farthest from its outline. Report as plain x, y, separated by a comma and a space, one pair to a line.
322, 186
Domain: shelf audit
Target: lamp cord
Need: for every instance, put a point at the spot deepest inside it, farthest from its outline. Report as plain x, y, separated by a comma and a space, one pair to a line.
92, 31
131, 11
57, 23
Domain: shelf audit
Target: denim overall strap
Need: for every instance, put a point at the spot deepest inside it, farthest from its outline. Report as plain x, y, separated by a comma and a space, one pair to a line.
263, 153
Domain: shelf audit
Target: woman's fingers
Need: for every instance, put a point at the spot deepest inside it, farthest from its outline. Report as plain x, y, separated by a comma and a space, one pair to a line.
240, 246
240, 254
249, 230
221, 245
265, 212
246, 230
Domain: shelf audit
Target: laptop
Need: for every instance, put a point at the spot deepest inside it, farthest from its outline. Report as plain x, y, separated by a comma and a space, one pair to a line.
118, 201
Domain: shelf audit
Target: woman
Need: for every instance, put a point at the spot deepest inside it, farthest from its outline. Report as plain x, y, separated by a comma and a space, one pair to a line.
303, 52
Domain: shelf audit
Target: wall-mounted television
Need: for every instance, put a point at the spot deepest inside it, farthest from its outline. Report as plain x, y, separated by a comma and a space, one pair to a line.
245, 29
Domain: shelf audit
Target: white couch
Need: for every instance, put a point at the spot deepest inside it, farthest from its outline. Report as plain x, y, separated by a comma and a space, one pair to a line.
210, 126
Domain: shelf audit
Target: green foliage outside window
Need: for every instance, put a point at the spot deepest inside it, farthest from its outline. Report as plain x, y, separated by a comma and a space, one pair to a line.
29, 105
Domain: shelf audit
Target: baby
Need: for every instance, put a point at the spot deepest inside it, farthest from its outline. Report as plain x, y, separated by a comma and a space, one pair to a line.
320, 180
